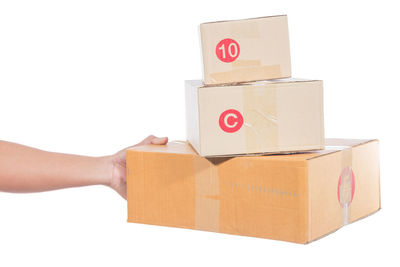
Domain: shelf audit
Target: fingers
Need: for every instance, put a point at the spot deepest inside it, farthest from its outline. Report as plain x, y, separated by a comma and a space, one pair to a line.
123, 194
159, 140
153, 140
120, 159
121, 189
147, 140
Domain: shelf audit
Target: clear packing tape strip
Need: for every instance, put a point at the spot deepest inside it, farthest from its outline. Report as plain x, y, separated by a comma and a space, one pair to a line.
260, 117
246, 70
207, 206
206, 182
346, 185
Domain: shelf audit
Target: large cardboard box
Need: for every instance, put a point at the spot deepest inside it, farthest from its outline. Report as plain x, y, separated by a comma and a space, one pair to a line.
260, 117
245, 50
296, 198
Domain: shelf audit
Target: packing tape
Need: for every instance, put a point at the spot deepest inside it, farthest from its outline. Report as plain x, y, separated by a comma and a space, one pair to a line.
243, 71
245, 63
207, 194
260, 117
346, 184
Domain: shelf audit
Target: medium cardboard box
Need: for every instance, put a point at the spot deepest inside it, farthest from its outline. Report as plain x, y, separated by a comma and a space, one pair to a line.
245, 50
296, 198
260, 117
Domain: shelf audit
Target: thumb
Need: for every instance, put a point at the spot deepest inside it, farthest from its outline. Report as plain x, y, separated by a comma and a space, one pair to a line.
159, 140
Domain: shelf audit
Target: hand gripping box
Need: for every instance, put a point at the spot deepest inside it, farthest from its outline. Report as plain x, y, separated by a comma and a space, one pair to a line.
296, 197
260, 117
245, 50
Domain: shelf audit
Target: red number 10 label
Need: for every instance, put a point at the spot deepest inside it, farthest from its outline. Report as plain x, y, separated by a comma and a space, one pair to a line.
227, 50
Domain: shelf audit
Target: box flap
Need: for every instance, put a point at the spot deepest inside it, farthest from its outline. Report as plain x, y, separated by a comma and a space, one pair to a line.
200, 84
332, 145
223, 21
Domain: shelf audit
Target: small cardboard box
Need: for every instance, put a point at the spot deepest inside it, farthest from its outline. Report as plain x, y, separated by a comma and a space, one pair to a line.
296, 198
260, 117
245, 50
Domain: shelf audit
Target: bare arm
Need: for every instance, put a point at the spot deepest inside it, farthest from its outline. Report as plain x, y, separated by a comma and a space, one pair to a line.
26, 169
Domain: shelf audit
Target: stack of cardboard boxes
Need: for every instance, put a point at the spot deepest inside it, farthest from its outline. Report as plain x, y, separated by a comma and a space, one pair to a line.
256, 162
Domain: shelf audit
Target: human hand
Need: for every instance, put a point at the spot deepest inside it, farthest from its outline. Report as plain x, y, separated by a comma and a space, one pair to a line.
118, 164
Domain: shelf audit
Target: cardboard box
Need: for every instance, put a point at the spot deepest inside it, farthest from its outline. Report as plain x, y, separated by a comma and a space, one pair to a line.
260, 117
296, 198
245, 50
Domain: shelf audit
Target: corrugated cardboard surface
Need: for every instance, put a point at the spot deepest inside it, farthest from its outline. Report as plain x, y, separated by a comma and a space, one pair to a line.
279, 115
363, 158
264, 50
284, 197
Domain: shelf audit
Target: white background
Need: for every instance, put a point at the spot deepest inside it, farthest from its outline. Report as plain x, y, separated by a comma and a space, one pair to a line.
92, 77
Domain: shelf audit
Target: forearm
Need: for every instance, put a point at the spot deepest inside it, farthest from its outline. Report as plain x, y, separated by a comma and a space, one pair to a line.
26, 169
